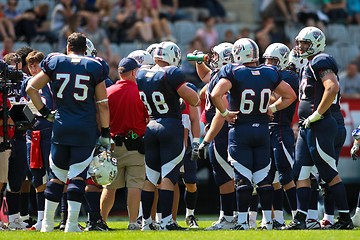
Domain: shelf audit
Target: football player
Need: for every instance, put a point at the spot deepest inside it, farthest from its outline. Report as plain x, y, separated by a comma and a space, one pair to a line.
160, 88
214, 145
354, 154
315, 144
282, 136
79, 92
250, 87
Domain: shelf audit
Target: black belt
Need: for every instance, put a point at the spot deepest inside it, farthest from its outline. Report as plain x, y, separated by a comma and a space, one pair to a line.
119, 140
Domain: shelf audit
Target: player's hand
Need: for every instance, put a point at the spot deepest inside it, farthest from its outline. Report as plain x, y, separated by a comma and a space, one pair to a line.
51, 116
354, 150
105, 139
203, 151
231, 117
195, 151
316, 116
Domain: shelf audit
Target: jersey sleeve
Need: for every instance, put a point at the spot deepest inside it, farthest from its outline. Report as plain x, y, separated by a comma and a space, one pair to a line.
105, 68
174, 77
48, 64
227, 72
323, 62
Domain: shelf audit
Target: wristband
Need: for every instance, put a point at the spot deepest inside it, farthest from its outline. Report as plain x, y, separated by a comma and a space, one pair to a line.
196, 139
105, 132
225, 113
273, 108
44, 111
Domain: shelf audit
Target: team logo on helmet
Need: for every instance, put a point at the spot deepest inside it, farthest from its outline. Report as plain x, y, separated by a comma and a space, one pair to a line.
139, 59
316, 35
238, 48
283, 51
227, 53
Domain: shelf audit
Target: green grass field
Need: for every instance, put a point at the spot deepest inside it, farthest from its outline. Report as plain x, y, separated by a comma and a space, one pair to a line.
120, 232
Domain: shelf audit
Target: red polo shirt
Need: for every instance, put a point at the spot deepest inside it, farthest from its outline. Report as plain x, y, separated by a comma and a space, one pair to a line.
127, 111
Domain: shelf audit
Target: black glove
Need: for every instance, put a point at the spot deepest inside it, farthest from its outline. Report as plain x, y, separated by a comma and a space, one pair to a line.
105, 139
203, 150
47, 113
182, 104
194, 151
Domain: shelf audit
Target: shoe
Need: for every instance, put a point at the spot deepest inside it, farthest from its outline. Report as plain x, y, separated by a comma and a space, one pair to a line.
191, 221
241, 226
356, 219
171, 226
134, 226
277, 225
266, 226
99, 225
295, 225
325, 224
150, 226
29, 222
47, 226
72, 228
221, 224
343, 225
17, 224
252, 224
312, 224
139, 220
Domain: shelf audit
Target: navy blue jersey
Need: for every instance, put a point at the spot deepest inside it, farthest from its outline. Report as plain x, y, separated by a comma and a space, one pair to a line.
311, 87
210, 109
158, 90
285, 116
251, 91
74, 78
45, 93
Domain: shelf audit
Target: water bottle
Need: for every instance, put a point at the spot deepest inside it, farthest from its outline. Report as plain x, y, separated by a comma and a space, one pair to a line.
202, 57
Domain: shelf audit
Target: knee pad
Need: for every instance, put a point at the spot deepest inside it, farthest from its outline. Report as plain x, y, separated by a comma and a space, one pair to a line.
76, 190
53, 191
243, 185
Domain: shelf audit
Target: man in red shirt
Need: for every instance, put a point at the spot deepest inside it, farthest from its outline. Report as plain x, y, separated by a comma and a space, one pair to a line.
128, 120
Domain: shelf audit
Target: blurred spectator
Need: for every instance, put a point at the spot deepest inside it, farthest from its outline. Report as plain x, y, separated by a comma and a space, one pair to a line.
335, 10
170, 10
148, 12
194, 9
124, 26
35, 26
73, 25
350, 81
84, 8
61, 15
8, 45
6, 26
12, 14
245, 33
281, 10
268, 33
309, 13
208, 33
98, 36
188, 67
229, 36
353, 8
104, 7
215, 8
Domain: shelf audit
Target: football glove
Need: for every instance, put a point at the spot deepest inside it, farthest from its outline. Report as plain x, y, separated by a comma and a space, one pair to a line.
204, 150
47, 113
356, 134
195, 151
105, 139
354, 150
316, 116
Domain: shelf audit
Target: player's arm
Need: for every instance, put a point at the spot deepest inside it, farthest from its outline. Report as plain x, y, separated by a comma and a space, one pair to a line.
331, 86
32, 89
221, 88
102, 105
195, 121
189, 95
203, 71
287, 96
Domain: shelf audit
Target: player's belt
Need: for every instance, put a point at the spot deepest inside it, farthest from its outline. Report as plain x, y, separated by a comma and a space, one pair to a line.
119, 140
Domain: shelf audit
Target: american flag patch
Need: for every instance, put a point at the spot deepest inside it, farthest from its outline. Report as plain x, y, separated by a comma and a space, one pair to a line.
255, 73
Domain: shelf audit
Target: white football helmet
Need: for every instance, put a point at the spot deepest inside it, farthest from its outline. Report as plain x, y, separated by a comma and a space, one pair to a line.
103, 168
279, 52
150, 49
297, 61
168, 52
142, 56
315, 37
245, 50
90, 49
221, 55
